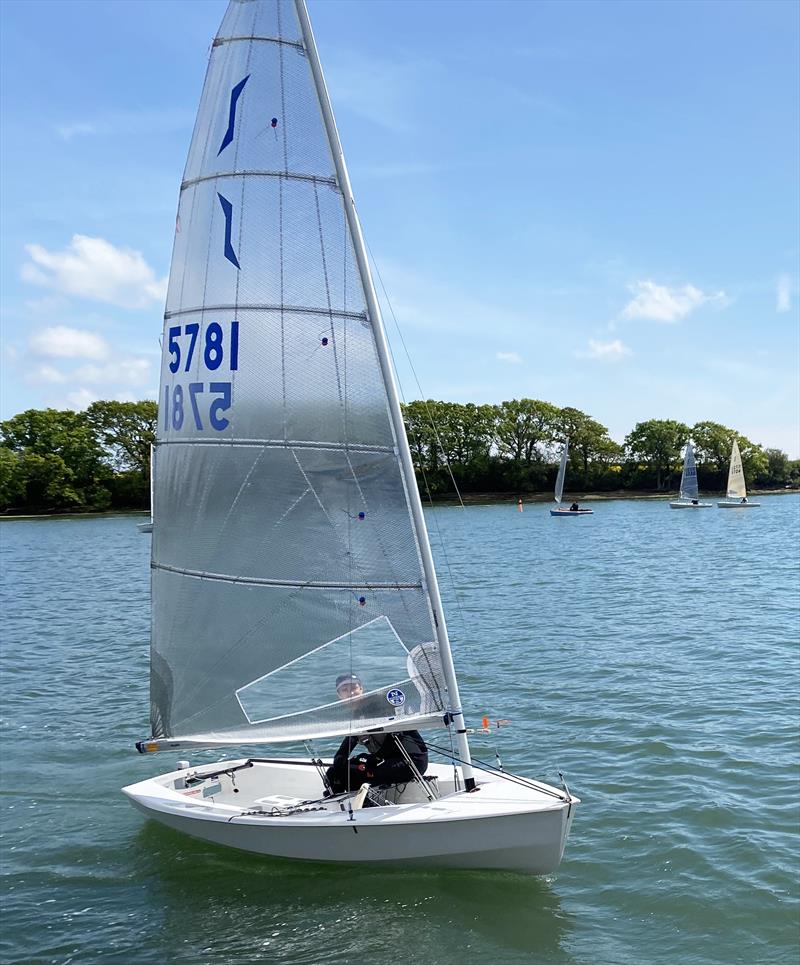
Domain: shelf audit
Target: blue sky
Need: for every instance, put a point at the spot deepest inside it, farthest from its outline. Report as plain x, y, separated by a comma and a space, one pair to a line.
596, 204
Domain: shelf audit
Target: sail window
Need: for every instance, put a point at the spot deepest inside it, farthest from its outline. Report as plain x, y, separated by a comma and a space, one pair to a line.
374, 652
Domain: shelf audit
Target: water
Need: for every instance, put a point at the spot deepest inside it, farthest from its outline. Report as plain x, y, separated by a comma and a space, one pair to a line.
650, 655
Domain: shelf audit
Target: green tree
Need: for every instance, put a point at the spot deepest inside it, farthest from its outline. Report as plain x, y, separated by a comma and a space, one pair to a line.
657, 443
713, 445
127, 430
522, 426
61, 462
778, 471
589, 441
12, 480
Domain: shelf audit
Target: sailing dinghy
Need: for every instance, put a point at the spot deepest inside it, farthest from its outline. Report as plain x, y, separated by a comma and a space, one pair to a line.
289, 544
562, 471
689, 494
147, 527
737, 490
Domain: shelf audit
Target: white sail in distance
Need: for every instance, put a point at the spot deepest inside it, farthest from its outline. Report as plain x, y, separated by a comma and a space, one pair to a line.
285, 549
562, 469
689, 489
736, 485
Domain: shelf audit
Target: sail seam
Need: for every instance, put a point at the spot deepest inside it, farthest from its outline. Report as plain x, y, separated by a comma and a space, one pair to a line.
279, 444
295, 309
219, 41
263, 581
289, 176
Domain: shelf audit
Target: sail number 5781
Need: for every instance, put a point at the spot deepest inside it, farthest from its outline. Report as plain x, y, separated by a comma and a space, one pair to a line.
204, 404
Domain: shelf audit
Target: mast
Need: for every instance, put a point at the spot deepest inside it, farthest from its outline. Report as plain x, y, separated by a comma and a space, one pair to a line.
406, 464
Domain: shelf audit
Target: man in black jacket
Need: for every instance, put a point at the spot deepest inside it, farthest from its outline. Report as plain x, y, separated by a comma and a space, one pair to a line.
384, 762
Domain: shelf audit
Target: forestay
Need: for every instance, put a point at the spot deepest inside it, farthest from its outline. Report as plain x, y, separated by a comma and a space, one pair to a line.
562, 469
689, 489
736, 485
284, 551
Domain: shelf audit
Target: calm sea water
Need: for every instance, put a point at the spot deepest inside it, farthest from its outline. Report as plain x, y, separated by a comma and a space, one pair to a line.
652, 656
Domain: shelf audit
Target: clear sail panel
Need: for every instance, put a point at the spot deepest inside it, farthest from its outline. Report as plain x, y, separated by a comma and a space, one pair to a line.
284, 552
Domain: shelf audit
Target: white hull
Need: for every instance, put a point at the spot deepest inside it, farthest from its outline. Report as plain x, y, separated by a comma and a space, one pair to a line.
681, 504
571, 512
502, 825
735, 505
145, 527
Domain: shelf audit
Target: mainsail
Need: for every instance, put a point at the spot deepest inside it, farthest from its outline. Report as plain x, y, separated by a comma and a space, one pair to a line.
287, 548
689, 488
562, 469
736, 486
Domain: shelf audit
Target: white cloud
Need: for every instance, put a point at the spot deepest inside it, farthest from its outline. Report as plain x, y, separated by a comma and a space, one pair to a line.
513, 358
47, 374
783, 294
96, 269
162, 120
68, 131
80, 399
69, 343
124, 372
611, 351
662, 304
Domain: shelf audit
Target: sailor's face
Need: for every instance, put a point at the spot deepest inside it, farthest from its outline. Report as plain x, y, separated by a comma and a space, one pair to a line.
349, 689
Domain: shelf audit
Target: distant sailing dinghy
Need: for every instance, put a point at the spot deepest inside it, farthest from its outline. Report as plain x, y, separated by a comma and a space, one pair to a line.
290, 544
737, 491
574, 510
689, 493
147, 527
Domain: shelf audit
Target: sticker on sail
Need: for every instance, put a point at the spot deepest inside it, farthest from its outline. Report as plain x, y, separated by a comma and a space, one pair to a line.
396, 698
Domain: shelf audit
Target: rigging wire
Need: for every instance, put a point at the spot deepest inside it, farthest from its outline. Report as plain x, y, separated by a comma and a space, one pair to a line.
453, 583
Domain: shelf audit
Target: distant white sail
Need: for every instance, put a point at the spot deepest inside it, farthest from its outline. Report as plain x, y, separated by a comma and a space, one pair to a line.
689, 488
562, 469
736, 486
285, 550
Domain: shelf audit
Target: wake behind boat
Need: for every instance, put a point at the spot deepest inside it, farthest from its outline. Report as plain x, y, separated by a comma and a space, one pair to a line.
689, 493
574, 509
289, 545
737, 490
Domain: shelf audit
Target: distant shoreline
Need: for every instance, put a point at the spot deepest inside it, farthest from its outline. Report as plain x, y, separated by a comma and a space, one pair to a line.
469, 499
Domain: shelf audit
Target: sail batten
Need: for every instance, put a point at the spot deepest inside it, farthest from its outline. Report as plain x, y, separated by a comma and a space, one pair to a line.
218, 41
283, 175
310, 584
287, 547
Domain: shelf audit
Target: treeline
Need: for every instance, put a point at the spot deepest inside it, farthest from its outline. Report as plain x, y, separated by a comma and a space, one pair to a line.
99, 459
514, 447
62, 461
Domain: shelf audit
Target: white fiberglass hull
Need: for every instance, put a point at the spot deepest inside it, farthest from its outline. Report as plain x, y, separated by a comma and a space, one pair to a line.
725, 504
681, 504
145, 527
502, 825
571, 512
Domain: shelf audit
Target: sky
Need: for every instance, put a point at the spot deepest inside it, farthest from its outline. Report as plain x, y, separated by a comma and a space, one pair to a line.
592, 203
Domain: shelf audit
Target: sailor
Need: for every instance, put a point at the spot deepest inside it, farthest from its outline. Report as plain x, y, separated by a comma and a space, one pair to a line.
744, 499
695, 502
574, 508
384, 762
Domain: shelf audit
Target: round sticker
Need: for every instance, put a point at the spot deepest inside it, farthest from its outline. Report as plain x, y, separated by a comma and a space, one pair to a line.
396, 698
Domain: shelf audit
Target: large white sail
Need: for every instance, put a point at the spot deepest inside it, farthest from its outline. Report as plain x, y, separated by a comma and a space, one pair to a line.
736, 486
689, 489
562, 469
285, 549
